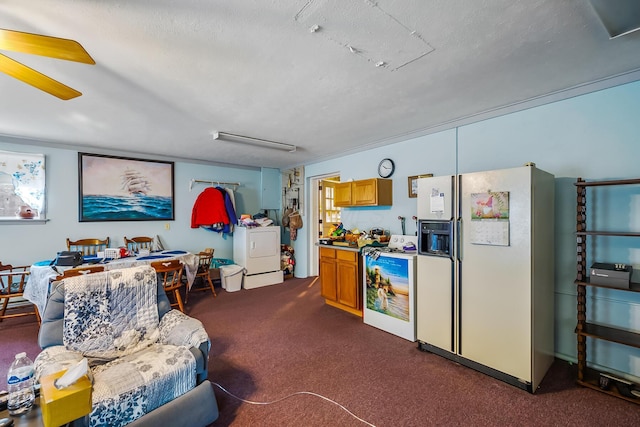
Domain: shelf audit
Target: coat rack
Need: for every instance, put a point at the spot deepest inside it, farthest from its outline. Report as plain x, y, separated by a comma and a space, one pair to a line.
203, 181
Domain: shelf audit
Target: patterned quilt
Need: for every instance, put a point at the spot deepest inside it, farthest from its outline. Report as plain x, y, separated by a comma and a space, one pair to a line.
137, 361
111, 314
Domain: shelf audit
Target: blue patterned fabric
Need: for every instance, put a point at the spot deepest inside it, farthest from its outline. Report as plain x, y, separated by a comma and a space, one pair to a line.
142, 258
113, 317
112, 313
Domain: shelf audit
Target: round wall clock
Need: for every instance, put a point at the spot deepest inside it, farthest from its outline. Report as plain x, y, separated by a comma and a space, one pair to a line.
386, 168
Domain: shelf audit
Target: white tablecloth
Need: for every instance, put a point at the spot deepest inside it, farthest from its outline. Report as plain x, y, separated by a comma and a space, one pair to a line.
42, 274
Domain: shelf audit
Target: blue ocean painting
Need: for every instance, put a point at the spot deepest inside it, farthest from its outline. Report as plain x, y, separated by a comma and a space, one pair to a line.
137, 207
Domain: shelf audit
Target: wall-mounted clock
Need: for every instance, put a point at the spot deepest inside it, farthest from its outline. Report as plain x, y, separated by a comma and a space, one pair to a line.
386, 168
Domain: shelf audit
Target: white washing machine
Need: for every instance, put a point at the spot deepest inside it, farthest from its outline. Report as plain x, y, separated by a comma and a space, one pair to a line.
390, 286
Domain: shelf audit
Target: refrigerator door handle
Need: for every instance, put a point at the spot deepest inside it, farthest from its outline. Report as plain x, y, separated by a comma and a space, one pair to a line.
458, 239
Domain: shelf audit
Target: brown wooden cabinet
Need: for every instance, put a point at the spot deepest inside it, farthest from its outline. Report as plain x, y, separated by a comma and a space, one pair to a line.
328, 278
342, 194
364, 192
587, 329
341, 279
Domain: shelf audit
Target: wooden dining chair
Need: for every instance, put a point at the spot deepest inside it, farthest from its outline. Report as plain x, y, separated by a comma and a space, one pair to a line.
170, 272
78, 271
12, 283
204, 266
136, 243
87, 246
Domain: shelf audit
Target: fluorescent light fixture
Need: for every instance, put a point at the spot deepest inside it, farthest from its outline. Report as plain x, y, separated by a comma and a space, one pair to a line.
223, 136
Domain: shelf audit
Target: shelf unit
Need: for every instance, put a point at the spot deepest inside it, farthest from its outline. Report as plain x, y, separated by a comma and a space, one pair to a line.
586, 376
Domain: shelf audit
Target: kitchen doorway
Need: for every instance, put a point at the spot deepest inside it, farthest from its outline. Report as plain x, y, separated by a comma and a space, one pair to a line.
329, 213
323, 214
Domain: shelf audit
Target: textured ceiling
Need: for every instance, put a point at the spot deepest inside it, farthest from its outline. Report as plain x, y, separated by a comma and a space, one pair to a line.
329, 76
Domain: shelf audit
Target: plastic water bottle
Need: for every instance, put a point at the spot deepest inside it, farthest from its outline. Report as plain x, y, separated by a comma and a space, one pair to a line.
20, 385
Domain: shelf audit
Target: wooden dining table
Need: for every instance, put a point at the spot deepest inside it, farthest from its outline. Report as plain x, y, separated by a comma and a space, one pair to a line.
42, 273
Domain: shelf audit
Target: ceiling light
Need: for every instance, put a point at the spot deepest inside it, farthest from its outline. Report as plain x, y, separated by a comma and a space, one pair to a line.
230, 137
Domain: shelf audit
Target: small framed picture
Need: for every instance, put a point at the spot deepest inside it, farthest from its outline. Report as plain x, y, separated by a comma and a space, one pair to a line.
413, 183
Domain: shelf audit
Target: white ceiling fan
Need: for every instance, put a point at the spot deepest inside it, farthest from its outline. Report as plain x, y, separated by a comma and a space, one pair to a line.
35, 44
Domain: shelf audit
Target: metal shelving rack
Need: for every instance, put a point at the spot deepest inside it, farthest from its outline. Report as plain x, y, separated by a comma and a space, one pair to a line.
588, 377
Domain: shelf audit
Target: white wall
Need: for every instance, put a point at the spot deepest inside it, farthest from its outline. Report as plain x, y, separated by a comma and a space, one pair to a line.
25, 243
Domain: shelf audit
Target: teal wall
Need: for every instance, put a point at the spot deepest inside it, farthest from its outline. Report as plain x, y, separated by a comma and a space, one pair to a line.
25, 242
594, 136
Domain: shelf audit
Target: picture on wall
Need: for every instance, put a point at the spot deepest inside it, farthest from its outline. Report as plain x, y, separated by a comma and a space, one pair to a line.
125, 189
22, 186
413, 183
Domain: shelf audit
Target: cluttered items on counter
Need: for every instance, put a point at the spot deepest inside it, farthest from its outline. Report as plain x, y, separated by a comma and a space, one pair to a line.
340, 236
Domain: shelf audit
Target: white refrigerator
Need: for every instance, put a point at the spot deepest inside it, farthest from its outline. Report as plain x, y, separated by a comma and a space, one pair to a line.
485, 272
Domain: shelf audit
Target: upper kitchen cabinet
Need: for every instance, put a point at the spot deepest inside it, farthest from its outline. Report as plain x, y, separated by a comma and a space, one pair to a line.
372, 192
364, 192
342, 194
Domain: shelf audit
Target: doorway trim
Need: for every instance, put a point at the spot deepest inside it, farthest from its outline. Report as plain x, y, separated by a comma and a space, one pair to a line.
314, 212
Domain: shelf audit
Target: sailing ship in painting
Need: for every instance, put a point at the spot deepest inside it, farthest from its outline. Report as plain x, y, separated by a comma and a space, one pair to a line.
134, 183
126, 192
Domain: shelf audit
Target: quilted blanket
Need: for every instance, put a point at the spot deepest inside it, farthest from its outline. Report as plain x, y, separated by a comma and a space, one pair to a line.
111, 314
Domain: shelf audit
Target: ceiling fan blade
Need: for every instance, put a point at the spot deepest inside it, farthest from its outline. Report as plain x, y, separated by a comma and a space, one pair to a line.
36, 79
36, 44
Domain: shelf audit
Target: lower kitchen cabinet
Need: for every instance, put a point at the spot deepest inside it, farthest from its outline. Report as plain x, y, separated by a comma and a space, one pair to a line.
341, 279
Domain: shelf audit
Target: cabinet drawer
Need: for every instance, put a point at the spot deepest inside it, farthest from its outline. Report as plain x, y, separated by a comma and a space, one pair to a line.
347, 255
327, 253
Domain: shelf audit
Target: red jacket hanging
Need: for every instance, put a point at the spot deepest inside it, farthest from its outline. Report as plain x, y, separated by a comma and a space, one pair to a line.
209, 209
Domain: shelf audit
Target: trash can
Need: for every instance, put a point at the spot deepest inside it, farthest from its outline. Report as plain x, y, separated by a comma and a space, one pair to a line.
219, 262
231, 277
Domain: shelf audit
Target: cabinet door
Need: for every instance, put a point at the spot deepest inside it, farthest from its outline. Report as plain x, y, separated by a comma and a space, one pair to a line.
365, 192
342, 194
347, 278
329, 287
348, 284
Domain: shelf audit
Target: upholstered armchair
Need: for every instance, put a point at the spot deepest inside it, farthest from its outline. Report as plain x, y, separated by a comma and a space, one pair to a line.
148, 362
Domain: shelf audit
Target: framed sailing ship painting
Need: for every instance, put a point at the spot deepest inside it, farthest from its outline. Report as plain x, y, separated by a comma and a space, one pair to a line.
124, 189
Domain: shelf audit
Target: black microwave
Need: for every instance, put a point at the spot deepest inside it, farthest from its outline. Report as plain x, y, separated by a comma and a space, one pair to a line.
435, 237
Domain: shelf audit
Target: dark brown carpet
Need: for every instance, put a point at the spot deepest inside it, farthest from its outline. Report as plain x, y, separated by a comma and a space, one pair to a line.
270, 342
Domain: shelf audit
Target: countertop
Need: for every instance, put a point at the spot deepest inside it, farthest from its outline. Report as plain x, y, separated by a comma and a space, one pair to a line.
353, 248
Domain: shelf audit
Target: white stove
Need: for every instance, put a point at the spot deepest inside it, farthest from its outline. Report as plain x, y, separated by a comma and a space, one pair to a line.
403, 243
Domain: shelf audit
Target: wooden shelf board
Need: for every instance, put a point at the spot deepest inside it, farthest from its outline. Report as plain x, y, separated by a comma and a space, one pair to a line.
610, 182
609, 233
612, 391
633, 286
592, 380
608, 333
